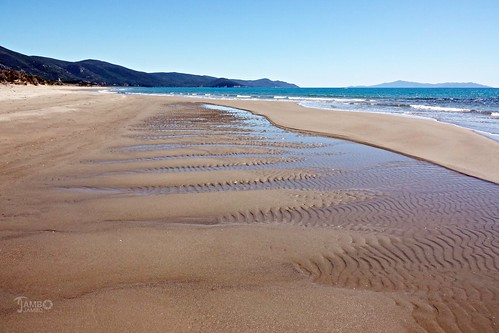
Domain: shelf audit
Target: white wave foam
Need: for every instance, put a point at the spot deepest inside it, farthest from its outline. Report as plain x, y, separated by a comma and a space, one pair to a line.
495, 114
439, 108
328, 99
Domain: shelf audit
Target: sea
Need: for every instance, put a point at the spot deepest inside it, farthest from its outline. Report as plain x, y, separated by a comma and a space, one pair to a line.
473, 108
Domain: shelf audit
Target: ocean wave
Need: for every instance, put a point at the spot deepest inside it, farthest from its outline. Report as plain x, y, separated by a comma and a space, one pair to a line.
328, 99
392, 105
439, 108
495, 114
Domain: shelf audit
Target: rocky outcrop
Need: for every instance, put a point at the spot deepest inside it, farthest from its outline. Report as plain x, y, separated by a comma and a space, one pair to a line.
18, 77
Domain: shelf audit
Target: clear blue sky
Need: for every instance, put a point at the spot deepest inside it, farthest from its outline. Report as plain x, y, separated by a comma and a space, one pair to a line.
312, 43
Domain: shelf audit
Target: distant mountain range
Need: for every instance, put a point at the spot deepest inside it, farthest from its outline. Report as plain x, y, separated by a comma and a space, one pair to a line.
408, 84
96, 72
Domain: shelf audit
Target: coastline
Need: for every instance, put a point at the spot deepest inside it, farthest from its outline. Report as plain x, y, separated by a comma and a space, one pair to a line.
132, 213
446, 145
467, 108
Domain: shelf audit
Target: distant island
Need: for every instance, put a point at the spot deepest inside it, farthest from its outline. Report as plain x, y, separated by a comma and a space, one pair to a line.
408, 84
20, 68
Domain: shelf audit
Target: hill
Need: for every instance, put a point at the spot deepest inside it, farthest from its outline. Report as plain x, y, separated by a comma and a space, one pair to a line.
96, 72
408, 84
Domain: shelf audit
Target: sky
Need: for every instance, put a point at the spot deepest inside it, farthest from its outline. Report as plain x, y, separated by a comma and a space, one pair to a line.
312, 43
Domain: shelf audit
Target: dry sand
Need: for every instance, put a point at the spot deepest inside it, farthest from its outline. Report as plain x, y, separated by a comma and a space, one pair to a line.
118, 249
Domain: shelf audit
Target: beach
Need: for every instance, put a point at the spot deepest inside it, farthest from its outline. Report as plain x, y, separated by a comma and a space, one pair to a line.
134, 213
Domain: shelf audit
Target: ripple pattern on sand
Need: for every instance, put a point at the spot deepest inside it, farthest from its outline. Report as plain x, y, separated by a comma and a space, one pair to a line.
416, 229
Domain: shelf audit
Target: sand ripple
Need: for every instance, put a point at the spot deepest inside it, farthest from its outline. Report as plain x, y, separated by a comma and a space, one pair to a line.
416, 229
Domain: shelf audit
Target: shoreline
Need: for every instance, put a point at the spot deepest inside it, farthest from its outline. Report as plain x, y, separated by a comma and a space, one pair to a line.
487, 135
317, 103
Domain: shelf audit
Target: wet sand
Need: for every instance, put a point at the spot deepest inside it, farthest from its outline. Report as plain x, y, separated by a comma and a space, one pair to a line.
147, 213
447, 145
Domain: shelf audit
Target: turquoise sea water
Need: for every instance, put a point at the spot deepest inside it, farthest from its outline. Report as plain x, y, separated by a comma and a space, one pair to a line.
476, 109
